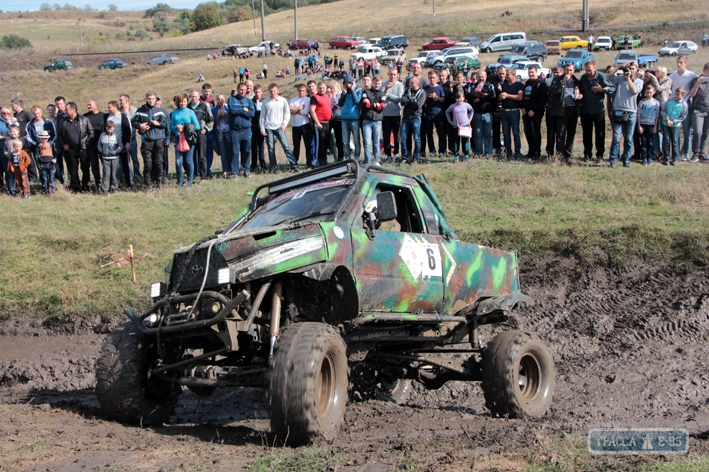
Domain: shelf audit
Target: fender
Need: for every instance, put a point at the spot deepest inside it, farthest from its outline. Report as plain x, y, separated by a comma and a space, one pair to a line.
489, 310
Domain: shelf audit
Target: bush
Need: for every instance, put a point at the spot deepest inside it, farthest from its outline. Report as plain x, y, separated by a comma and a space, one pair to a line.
112, 7
12, 41
206, 16
141, 34
163, 7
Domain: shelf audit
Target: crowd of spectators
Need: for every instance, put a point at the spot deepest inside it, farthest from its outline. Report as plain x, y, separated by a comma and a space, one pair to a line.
394, 121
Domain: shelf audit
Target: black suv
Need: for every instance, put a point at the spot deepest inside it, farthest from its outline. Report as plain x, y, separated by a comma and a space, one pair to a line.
393, 41
534, 50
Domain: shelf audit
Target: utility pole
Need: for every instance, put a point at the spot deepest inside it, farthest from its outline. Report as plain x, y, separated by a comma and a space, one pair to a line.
263, 27
295, 17
81, 35
434, 7
584, 16
253, 14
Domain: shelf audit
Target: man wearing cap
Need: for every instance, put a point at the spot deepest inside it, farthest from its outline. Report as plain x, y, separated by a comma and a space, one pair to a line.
350, 100
150, 122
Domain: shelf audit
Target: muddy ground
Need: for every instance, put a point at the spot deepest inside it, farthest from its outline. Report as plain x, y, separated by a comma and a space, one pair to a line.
630, 345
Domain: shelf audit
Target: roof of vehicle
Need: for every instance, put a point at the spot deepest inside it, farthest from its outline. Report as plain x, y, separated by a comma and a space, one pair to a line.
441, 38
604, 38
553, 41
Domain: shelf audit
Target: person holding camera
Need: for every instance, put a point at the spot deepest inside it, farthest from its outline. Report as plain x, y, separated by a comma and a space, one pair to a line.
625, 106
350, 100
412, 102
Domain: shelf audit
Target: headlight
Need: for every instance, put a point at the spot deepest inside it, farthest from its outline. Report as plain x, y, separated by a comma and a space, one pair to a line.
157, 290
223, 276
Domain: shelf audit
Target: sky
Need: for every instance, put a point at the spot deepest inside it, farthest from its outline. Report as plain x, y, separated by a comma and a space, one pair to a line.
33, 5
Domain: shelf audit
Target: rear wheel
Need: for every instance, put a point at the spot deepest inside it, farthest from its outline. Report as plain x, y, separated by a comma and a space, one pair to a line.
308, 384
518, 375
487, 50
124, 386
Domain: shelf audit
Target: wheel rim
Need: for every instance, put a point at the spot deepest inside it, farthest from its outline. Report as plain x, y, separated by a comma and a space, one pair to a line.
530, 376
326, 386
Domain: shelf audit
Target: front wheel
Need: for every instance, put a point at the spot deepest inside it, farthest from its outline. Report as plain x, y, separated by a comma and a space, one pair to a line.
487, 50
124, 386
518, 375
308, 384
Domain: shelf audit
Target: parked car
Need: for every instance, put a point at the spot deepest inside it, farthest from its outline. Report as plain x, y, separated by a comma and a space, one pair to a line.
572, 42
393, 41
347, 42
368, 53
642, 60
423, 55
471, 51
438, 44
334, 261
503, 41
373, 41
522, 68
460, 60
234, 50
674, 48
508, 60
634, 41
393, 56
58, 65
470, 41
162, 59
577, 57
302, 43
337, 40
534, 50
433, 58
264, 46
603, 43
112, 64
553, 46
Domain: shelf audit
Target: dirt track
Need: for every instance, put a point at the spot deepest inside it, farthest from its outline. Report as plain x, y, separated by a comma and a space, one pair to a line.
630, 347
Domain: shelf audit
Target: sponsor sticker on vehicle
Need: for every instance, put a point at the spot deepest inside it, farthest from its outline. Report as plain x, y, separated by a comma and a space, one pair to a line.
637, 441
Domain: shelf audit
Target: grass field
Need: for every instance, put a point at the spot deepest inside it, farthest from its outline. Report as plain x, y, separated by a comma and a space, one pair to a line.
51, 267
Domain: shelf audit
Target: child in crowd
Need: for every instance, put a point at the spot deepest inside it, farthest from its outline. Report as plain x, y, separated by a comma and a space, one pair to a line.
648, 118
7, 151
673, 114
459, 116
19, 162
109, 148
46, 163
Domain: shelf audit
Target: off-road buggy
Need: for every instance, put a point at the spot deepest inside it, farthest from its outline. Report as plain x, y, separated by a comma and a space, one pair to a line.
342, 266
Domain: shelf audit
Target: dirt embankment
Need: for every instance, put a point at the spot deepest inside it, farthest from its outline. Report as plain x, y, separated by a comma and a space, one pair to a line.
630, 346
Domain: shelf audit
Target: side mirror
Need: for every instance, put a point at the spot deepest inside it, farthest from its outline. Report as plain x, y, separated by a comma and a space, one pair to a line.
386, 206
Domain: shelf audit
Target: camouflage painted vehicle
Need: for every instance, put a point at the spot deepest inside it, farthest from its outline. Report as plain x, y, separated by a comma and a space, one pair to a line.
339, 267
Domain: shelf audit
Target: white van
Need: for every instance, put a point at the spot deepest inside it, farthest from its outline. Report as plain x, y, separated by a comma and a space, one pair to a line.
503, 41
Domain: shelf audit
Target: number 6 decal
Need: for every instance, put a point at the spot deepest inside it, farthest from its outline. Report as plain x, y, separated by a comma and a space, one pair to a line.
431, 259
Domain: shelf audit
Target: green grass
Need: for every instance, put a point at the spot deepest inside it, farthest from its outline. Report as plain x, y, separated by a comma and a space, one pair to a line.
51, 266
304, 459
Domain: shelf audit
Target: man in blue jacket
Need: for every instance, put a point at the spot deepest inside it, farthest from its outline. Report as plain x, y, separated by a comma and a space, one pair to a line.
241, 109
350, 102
150, 122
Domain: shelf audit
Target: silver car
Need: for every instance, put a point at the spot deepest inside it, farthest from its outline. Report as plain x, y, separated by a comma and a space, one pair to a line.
162, 59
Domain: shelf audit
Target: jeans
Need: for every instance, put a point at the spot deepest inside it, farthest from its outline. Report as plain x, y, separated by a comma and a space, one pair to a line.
223, 141
210, 151
110, 179
321, 137
591, 122
533, 133
482, 125
257, 142
303, 133
647, 144
687, 130
566, 131
510, 129
429, 123
411, 126
624, 130
700, 125
370, 130
134, 155
240, 146
280, 135
390, 125
350, 126
152, 161
670, 138
46, 172
184, 158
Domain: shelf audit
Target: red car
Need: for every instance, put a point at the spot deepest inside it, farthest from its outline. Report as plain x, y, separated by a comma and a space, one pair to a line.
437, 44
303, 43
347, 42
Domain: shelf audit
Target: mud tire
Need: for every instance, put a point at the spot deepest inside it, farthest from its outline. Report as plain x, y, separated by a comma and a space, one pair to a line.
308, 384
123, 387
518, 375
394, 390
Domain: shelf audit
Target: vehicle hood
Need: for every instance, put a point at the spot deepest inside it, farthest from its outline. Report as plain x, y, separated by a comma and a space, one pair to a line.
249, 255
